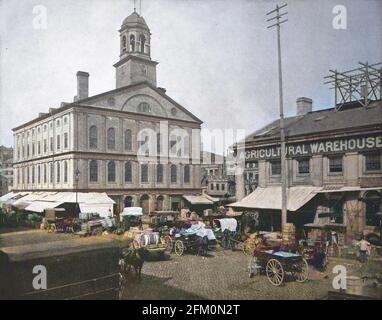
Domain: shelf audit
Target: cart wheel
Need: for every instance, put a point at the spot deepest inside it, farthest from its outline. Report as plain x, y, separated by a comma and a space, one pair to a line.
275, 272
248, 248
301, 270
179, 247
169, 244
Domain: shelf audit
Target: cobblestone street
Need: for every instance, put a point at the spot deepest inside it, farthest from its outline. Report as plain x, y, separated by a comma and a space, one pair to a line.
223, 275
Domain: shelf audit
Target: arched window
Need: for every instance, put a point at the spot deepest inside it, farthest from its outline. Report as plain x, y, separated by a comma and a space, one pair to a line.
128, 140
65, 171
144, 173
45, 173
93, 137
111, 171
132, 43
186, 174
142, 41
93, 171
51, 173
173, 173
111, 138
38, 174
32, 168
160, 173
128, 172
160, 200
158, 143
58, 172
144, 107
124, 44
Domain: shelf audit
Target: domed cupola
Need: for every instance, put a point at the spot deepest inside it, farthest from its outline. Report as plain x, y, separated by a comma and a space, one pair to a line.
135, 36
135, 64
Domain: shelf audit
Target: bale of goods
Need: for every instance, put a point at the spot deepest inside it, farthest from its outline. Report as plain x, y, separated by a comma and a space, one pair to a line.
289, 234
85, 268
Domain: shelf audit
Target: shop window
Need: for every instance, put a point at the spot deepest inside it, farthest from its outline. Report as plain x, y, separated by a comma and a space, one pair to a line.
275, 168
303, 166
373, 207
129, 202
336, 211
217, 187
373, 162
335, 165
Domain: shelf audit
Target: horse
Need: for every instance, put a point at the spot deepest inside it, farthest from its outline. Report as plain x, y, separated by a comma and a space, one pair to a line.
133, 258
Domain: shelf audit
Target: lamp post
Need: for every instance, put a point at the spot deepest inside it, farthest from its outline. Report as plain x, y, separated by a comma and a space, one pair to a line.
77, 178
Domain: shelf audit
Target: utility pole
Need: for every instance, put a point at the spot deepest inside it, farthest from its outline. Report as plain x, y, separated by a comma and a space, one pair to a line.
277, 24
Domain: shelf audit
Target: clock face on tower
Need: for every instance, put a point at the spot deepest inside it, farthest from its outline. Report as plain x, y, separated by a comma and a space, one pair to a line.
143, 69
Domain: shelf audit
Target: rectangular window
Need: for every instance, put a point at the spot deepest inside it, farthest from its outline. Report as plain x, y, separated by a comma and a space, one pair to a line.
275, 168
223, 187
45, 146
335, 165
217, 187
33, 149
303, 166
212, 186
373, 162
66, 141
51, 144
58, 142
39, 147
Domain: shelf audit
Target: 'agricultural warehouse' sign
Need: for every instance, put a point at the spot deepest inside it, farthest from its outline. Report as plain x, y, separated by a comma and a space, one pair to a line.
318, 147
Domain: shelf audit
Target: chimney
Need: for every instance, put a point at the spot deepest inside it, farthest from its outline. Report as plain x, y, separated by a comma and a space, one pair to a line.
82, 85
304, 105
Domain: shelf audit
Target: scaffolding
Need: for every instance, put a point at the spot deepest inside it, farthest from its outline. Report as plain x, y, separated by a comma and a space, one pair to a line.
362, 85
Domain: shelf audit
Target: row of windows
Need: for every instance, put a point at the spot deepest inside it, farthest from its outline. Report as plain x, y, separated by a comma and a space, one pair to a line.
128, 176
28, 175
44, 127
175, 142
33, 149
373, 162
133, 45
218, 186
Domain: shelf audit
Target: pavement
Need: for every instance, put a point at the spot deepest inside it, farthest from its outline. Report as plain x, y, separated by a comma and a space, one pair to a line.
223, 275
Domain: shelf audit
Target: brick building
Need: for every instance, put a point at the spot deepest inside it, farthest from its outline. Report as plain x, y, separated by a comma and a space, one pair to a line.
334, 168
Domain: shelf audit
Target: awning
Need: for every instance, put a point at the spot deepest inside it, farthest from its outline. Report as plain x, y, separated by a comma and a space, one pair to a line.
201, 199
270, 198
40, 206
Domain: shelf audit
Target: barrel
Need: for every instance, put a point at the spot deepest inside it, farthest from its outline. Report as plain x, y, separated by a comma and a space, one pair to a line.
354, 285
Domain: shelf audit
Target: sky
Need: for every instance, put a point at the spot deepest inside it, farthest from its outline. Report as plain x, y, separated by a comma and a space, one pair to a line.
216, 57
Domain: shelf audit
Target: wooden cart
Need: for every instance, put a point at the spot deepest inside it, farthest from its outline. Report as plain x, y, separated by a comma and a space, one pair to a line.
277, 264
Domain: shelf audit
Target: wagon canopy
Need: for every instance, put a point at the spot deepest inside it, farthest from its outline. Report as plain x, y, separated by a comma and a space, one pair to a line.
270, 198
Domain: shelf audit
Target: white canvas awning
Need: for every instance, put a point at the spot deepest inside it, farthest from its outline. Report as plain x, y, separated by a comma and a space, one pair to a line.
331, 189
270, 198
200, 199
40, 206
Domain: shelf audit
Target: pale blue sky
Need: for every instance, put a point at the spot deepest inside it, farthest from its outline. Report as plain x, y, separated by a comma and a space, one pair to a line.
216, 57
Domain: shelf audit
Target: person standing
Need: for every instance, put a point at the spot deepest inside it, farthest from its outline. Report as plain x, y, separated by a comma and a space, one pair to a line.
364, 249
